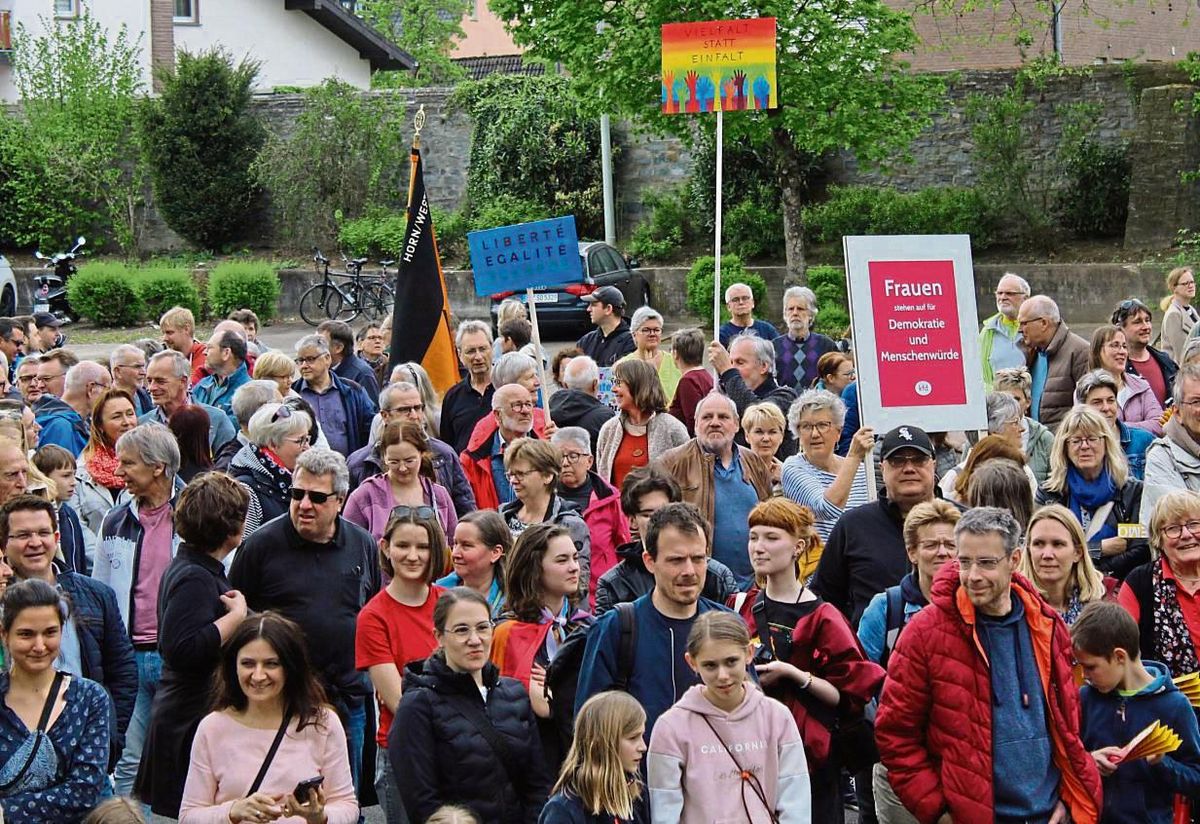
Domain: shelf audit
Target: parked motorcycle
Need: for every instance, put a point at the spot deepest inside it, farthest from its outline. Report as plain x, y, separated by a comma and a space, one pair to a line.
50, 289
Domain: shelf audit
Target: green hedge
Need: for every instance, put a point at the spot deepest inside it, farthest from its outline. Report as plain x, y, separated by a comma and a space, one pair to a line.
106, 294
160, 288
753, 231
881, 210
243, 285
700, 285
378, 235
661, 235
829, 285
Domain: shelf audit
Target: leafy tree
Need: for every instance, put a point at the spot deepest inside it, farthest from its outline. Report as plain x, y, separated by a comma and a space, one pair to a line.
534, 142
199, 139
345, 154
426, 29
65, 153
841, 84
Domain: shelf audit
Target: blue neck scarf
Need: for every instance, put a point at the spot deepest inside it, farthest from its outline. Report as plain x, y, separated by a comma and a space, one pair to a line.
1088, 496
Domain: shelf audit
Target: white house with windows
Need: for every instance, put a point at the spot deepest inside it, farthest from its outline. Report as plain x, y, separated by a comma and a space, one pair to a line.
297, 42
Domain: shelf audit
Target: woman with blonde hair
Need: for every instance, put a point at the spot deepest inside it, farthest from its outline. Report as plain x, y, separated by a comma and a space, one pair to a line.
275, 366
1057, 562
1179, 316
1090, 476
642, 430
647, 328
764, 427
600, 779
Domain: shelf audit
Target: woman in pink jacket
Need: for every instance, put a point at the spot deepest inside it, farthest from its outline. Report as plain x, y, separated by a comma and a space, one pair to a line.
1139, 407
408, 481
725, 752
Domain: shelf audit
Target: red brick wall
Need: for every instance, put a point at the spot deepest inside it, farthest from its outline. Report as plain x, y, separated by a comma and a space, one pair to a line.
162, 36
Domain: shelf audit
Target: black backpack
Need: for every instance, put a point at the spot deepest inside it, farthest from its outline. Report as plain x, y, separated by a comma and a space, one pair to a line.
562, 676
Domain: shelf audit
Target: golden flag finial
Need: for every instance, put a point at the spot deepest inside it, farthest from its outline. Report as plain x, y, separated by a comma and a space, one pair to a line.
418, 125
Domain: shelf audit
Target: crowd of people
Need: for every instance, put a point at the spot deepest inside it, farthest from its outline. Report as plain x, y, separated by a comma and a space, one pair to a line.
248, 585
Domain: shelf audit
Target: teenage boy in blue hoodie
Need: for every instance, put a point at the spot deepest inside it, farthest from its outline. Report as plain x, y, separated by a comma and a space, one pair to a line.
1123, 696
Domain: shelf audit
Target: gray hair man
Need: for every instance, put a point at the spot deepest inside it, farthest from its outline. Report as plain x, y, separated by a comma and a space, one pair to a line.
128, 366
137, 543
470, 400
317, 569
66, 422
167, 378
799, 348
711, 466
578, 403
513, 416
1000, 336
1173, 461
746, 374
739, 299
343, 408
1056, 357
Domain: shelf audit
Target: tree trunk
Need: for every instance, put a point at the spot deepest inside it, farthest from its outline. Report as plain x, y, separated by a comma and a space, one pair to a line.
791, 168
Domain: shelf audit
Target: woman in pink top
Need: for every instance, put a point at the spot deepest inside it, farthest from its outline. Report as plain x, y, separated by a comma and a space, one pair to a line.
267, 692
408, 481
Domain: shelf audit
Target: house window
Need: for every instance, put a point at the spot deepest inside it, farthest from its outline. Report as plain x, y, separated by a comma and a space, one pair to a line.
187, 11
66, 8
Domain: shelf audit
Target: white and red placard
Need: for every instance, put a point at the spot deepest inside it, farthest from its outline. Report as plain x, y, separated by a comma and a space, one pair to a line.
916, 344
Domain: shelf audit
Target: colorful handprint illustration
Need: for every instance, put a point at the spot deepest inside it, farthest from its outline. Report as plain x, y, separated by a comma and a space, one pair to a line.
720, 65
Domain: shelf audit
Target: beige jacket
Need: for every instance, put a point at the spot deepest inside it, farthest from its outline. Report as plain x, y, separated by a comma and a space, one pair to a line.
692, 467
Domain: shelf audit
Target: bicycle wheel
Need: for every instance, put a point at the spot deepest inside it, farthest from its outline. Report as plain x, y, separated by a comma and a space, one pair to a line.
378, 300
352, 303
320, 303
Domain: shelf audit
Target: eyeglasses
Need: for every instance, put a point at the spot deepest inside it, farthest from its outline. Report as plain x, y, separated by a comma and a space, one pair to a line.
464, 632
898, 461
1002, 294
22, 379
518, 475
393, 462
818, 426
22, 537
474, 351
521, 406
574, 457
1024, 323
47, 378
649, 330
313, 495
137, 367
984, 564
303, 440
423, 512
405, 410
934, 546
1176, 530
306, 361
1084, 440
1116, 346
90, 384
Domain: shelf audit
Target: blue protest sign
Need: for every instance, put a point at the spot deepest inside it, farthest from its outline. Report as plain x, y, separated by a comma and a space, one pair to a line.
513, 258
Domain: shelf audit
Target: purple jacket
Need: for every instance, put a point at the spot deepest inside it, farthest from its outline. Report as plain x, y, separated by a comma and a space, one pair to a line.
1141, 409
371, 504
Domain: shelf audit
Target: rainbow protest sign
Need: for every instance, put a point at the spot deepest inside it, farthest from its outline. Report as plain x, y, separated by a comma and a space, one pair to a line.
719, 65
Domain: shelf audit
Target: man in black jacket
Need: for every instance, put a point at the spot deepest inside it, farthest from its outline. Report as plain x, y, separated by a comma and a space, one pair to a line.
578, 403
94, 642
611, 340
317, 569
1156, 366
645, 491
346, 363
747, 375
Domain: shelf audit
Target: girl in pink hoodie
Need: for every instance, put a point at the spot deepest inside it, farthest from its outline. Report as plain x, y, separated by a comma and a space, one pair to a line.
725, 752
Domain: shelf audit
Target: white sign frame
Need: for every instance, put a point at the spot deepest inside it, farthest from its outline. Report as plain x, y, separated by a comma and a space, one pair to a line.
859, 252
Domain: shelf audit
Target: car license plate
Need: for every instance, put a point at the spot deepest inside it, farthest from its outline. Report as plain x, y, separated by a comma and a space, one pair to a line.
545, 297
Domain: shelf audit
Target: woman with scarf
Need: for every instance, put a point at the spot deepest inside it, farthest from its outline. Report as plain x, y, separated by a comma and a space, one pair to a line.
1163, 596
543, 585
1056, 561
98, 485
1090, 476
278, 436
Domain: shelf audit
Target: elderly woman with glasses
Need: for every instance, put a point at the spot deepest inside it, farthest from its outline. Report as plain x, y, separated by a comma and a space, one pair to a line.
408, 480
1090, 477
278, 436
647, 328
826, 483
642, 430
1139, 407
1036, 438
1163, 596
1098, 389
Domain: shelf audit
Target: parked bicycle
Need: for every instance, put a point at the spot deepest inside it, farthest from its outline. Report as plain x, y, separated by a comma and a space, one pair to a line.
346, 295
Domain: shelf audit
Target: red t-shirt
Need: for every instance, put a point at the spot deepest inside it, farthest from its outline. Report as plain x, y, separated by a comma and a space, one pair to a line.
1152, 372
391, 633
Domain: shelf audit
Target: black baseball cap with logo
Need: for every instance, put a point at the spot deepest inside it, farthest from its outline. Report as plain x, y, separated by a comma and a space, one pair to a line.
906, 437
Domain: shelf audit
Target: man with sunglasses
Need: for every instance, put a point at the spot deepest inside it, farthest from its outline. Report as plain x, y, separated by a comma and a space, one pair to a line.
983, 677
12, 343
865, 553
319, 570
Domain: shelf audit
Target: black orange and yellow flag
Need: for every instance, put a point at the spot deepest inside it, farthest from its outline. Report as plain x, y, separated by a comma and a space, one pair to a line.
421, 329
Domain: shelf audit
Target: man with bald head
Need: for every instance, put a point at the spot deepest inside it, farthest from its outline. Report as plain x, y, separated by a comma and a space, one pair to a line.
712, 465
483, 459
65, 422
1056, 358
1000, 339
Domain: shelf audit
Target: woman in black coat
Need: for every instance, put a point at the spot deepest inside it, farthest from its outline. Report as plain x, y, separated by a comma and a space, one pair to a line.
197, 611
278, 435
462, 734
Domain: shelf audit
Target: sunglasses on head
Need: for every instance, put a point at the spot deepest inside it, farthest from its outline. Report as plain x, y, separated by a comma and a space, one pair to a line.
282, 413
420, 512
314, 496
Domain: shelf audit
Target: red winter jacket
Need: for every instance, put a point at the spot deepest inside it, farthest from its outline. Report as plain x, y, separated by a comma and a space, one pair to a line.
477, 457
934, 727
609, 528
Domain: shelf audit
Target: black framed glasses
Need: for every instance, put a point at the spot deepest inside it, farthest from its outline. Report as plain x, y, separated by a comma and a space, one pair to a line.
420, 512
316, 497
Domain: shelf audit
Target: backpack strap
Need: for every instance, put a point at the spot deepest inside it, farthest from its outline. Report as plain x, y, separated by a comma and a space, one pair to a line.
626, 646
477, 715
761, 625
893, 622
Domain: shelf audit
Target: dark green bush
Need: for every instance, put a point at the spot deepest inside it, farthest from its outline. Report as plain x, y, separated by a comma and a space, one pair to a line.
200, 139
829, 285
1095, 199
106, 294
700, 285
243, 285
379, 234
450, 229
882, 210
660, 236
160, 288
753, 230
508, 210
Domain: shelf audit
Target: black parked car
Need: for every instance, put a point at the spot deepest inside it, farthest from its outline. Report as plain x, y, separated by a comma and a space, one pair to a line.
563, 309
